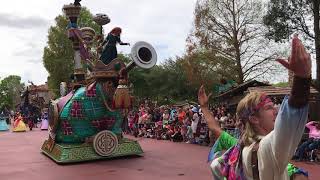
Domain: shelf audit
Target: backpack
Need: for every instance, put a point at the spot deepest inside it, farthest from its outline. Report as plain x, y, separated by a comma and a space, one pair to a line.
229, 165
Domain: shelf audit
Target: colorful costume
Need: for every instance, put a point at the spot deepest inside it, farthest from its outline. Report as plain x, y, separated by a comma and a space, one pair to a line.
266, 155
110, 50
3, 124
226, 141
19, 125
44, 122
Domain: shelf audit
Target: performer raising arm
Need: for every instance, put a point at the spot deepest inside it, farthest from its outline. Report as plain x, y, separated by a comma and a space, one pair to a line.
278, 134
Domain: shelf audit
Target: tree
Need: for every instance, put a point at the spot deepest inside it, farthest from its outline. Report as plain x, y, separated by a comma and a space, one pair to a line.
10, 90
233, 30
58, 54
285, 17
175, 82
166, 81
206, 67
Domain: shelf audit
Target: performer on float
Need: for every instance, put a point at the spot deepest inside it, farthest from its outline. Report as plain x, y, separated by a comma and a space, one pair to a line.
265, 131
44, 121
109, 52
3, 123
19, 125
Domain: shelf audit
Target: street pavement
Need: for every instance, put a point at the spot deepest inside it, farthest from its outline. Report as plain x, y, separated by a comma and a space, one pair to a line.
21, 159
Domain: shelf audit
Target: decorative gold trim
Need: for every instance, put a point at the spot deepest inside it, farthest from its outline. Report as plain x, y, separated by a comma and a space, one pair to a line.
103, 74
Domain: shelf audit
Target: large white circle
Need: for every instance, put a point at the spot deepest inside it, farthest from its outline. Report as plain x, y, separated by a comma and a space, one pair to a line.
138, 61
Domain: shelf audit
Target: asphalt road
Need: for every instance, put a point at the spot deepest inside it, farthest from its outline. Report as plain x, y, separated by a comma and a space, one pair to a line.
21, 159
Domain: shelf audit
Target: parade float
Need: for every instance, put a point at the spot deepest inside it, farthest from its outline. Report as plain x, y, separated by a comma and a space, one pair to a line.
85, 124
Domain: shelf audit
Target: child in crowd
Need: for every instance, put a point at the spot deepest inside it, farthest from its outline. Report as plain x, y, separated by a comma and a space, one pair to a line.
177, 137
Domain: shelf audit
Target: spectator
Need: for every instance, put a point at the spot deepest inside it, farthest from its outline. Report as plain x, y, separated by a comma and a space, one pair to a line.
194, 123
312, 143
165, 118
223, 120
181, 115
177, 137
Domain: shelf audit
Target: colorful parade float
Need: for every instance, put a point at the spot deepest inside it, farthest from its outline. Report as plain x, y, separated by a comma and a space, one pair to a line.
85, 124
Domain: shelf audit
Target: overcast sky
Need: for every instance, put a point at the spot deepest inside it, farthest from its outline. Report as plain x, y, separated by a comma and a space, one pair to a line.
24, 28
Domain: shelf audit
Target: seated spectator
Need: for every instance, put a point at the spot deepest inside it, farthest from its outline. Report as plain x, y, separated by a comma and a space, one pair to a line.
173, 115
142, 131
177, 137
156, 115
149, 133
165, 118
312, 143
158, 132
146, 118
167, 133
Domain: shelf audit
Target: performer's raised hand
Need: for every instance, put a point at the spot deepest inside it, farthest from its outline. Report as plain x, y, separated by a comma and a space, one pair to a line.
203, 98
299, 61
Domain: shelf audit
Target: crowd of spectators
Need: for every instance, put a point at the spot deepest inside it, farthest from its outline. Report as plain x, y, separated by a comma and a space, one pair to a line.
187, 124
177, 123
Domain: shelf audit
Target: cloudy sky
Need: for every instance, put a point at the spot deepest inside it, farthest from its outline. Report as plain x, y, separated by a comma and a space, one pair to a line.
24, 26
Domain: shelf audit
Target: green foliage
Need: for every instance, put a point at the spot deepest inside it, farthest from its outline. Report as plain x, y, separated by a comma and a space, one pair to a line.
125, 58
179, 79
58, 54
10, 89
285, 17
207, 68
164, 83
281, 84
